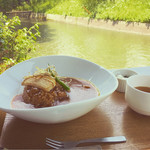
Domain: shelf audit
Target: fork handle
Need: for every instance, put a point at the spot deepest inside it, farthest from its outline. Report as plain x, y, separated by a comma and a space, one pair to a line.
115, 139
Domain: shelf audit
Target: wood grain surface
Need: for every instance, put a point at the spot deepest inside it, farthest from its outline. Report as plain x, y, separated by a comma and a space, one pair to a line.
112, 117
2, 118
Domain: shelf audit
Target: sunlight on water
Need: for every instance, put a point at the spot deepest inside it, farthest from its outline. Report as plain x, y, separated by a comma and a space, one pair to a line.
109, 49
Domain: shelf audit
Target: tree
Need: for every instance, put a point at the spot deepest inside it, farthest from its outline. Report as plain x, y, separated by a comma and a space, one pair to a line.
15, 44
9, 5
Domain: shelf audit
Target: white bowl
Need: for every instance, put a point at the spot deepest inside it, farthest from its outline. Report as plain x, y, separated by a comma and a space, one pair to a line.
138, 100
10, 84
122, 75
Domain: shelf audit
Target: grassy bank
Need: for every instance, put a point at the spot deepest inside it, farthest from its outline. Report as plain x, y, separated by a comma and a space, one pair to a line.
125, 10
129, 10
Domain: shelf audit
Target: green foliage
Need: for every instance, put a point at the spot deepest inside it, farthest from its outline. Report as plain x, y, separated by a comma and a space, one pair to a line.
8, 5
90, 6
7, 63
15, 44
40, 6
69, 8
25, 6
126, 10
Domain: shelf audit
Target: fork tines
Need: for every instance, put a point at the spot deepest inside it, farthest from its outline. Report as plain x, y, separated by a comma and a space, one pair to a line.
54, 144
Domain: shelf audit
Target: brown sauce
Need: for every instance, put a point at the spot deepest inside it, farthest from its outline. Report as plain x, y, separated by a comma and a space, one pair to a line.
144, 89
79, 90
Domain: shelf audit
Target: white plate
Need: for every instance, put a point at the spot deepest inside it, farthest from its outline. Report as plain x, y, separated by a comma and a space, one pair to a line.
10, 85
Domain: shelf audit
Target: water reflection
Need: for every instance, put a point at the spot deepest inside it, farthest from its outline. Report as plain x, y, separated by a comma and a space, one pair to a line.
107, 48
45, 32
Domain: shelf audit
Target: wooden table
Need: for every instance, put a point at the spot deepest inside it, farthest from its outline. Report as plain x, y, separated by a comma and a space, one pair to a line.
2, 118
112, 117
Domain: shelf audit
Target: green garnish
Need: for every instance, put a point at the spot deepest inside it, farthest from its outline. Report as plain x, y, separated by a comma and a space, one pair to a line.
66, 87
53, 74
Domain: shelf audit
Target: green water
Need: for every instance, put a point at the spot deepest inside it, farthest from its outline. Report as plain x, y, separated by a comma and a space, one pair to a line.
109, 49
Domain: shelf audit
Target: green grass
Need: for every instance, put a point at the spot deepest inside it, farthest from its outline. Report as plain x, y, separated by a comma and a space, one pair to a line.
125, 10
69, 8
137, 11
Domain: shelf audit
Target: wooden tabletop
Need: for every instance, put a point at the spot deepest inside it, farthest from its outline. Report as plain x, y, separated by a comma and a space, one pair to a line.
2, 118
112, 117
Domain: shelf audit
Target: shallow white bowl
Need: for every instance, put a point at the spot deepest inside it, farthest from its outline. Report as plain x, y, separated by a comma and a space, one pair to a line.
10, 85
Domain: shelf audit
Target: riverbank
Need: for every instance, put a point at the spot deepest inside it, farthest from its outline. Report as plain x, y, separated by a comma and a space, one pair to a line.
28, 15
121, 26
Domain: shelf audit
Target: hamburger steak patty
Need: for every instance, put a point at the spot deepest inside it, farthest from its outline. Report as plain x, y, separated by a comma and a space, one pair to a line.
40, 98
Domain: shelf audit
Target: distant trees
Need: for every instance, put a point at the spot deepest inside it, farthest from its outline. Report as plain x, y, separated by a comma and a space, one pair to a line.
40, 5
34, 5
8, 5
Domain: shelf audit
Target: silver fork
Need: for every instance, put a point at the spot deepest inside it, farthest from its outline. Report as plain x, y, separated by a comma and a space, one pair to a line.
59, 144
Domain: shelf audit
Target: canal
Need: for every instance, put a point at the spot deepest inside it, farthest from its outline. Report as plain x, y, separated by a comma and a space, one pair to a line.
110, 49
